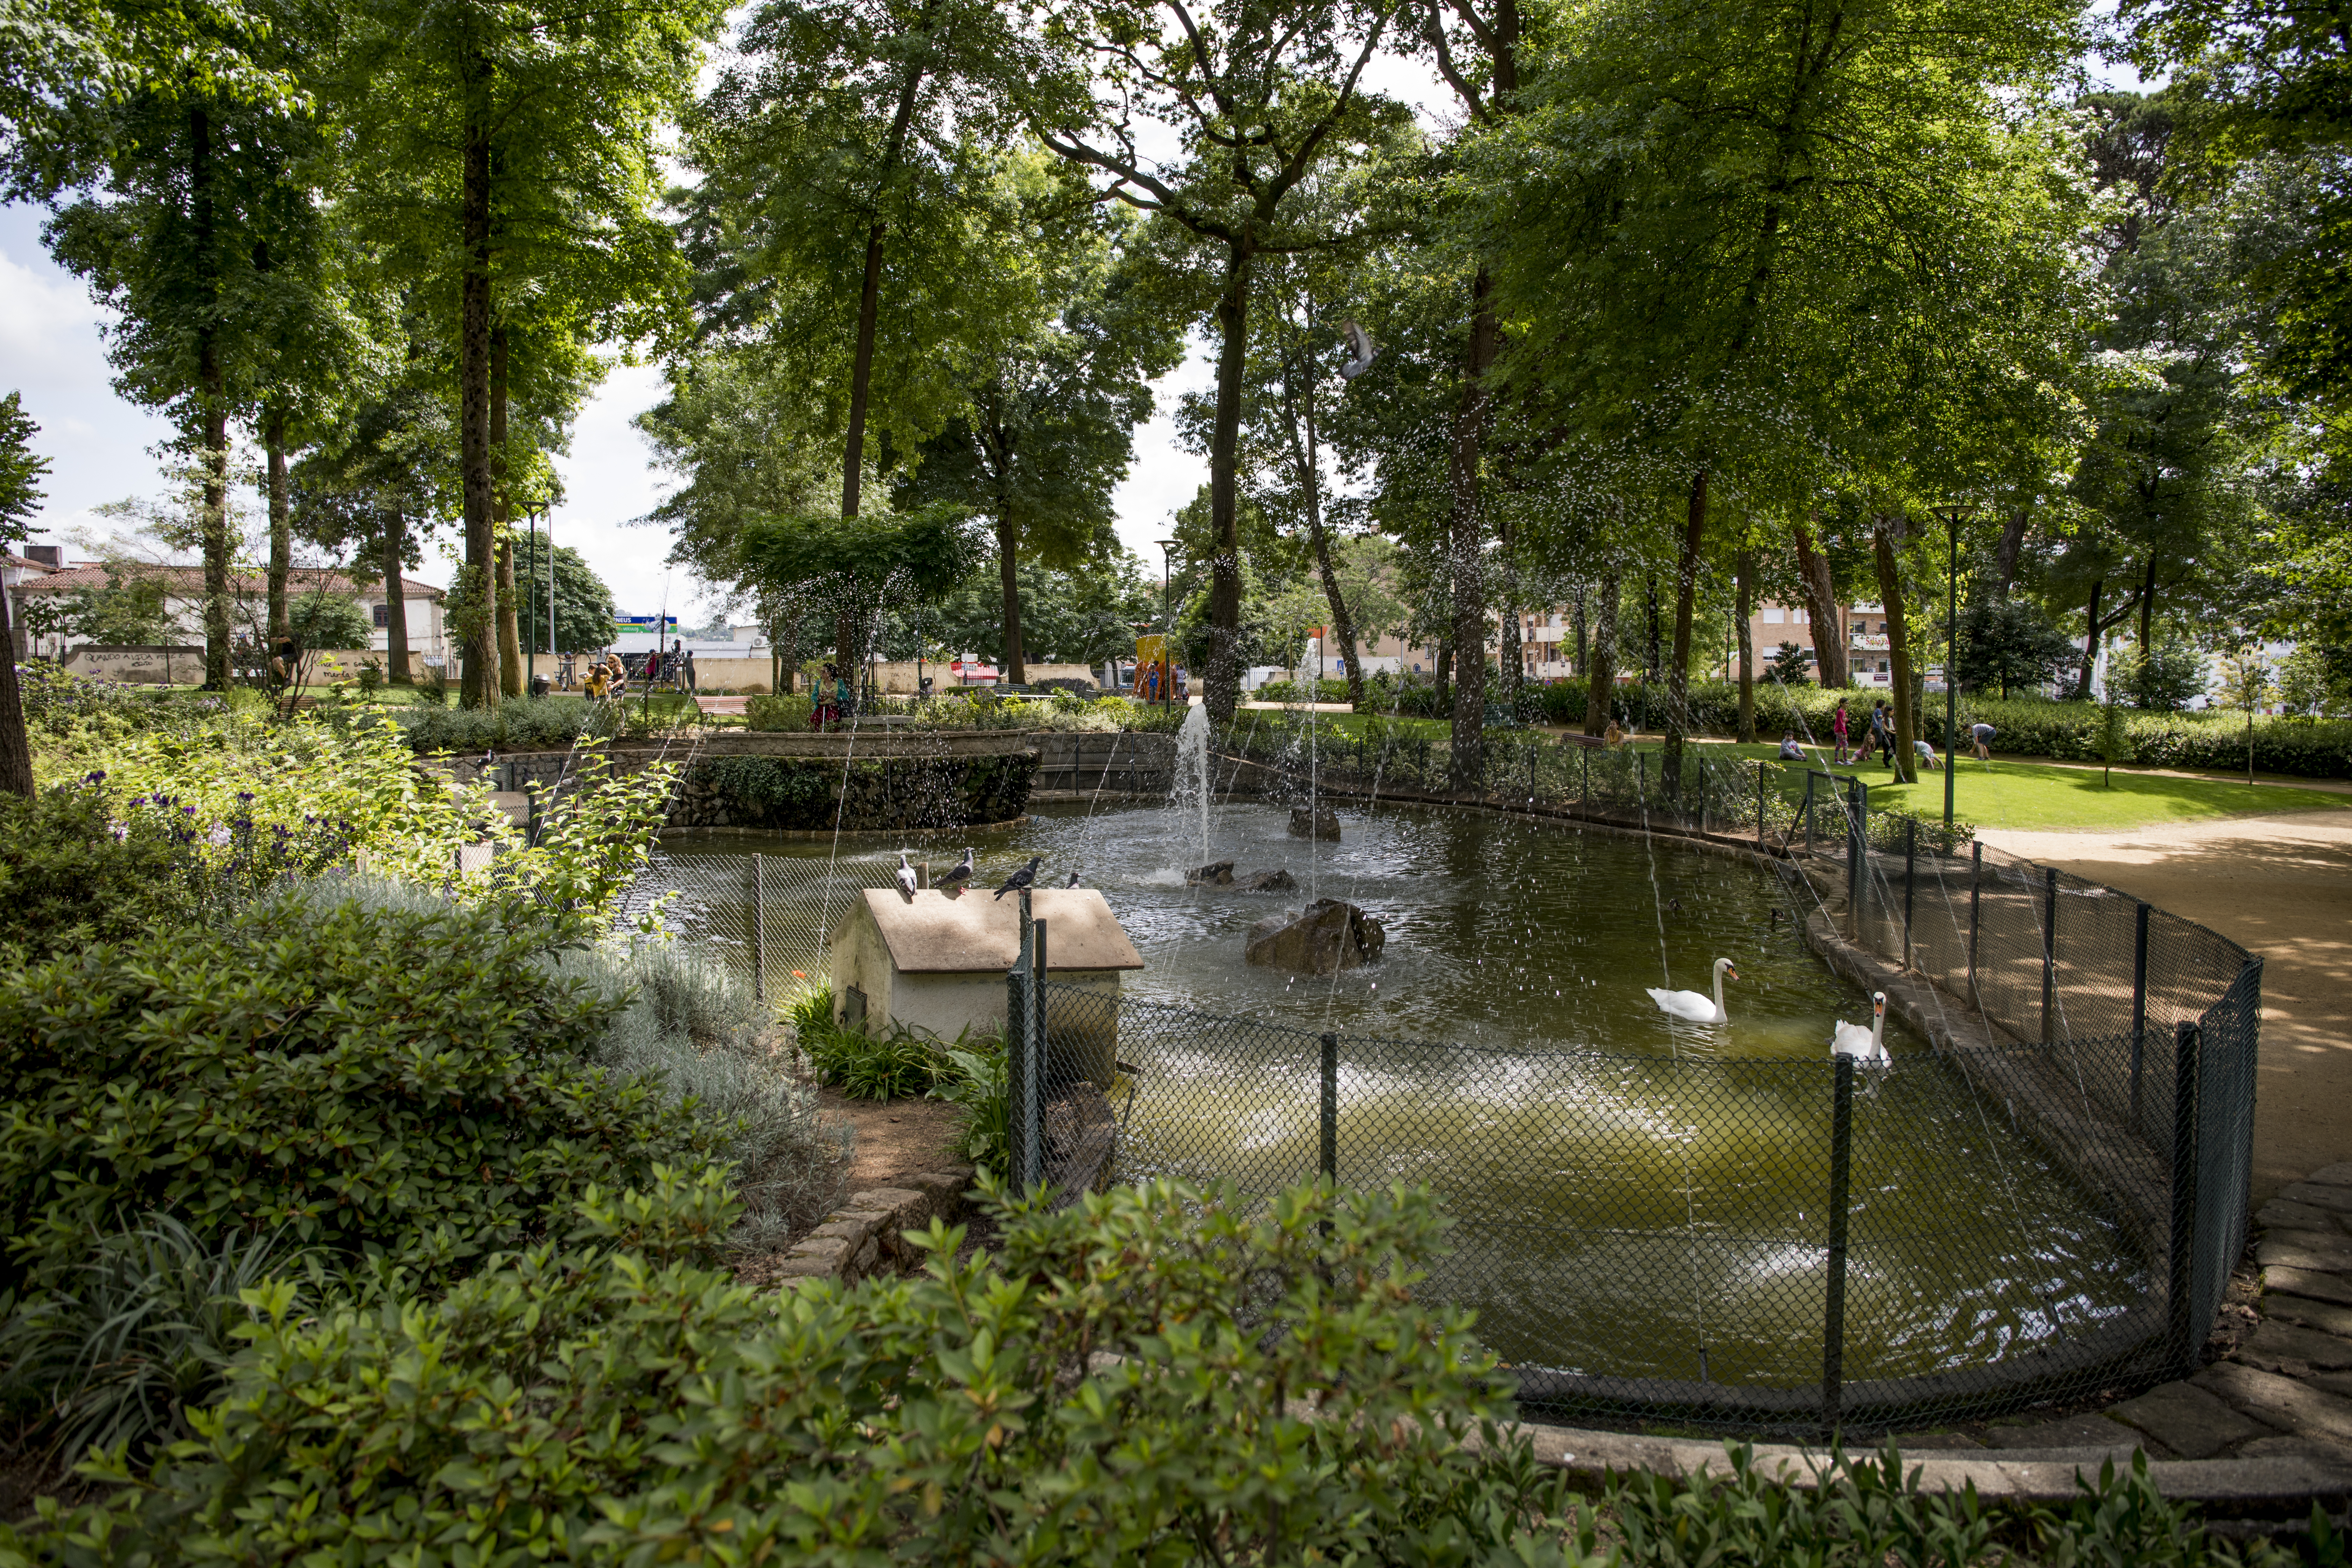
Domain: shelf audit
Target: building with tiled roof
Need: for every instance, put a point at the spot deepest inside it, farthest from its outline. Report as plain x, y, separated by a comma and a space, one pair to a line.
183, 600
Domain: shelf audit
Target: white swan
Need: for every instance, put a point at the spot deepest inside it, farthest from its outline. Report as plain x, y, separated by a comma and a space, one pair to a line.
1865, 1046
1694, 1005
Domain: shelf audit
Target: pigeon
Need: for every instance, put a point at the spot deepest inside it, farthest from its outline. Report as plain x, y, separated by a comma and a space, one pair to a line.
959, 873
1073, 882
490, 760
1022, 877
905, 876
1361, 351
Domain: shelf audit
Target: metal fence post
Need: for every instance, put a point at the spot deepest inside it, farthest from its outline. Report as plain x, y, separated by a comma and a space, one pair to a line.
1833, 1310
1976, 907
1910, 876
1329, 1118
1759, 807
2049, 954
2139, 1008
2186, 1343
1857, 848
1584, 781
1032, 1099
1017, 982
759, 934
1808, 814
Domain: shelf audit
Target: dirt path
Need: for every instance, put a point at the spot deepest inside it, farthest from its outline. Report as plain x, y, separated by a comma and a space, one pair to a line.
2281, 887
894, 1138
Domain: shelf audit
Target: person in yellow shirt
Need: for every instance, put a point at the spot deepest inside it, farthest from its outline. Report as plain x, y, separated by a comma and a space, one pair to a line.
595, 683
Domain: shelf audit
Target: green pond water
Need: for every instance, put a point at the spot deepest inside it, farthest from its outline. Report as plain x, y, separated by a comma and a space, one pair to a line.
1632, 1195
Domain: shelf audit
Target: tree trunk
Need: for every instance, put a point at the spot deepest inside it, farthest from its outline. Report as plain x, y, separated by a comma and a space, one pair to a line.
2091, 629
477, 627
282, 527
1579, 633
212, 414
1821, 609
1343, 621
848, 658
1008, 541
2005, 555
502, 520
1221, 689
1743, 605
395, 603
1685, 606
16, 749
2147, 608
1601, 673
1466, 767
869, 299
1509, 647
1653, 661
1443, 675
1899, 647
788, 655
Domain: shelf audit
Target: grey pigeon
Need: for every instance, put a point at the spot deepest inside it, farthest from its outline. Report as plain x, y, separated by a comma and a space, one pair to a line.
1022, 877
959, 873
905, 876
1361, 351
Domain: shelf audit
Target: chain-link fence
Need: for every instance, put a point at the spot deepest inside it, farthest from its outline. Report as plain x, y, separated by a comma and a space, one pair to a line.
2046, 1206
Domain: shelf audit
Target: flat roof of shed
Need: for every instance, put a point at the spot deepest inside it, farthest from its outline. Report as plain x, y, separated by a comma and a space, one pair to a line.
978, 933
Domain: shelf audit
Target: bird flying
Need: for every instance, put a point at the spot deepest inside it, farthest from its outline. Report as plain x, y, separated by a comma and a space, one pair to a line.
1361, 351
1022, 877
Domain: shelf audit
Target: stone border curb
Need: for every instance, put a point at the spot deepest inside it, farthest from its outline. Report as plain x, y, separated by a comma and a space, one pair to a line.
2273, 1485
866, 1236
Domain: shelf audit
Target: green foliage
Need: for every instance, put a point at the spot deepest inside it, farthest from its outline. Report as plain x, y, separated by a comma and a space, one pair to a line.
518, 724
1268, 1384
1082, 614
21, 470
584, 605
408, 1087
2008, 643
140, 1331
67, 879
978, 1083
1791, 665
328, 621
783, 711
855, 564
807, 795
2162, 680
2311, 682
902, 1064
128, 612
2114, 737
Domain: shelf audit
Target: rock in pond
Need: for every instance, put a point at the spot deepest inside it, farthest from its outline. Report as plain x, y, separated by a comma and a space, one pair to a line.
1219, 874
1324, 938
1319, 822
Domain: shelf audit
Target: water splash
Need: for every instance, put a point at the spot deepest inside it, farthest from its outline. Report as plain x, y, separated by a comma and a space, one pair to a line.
1191, 787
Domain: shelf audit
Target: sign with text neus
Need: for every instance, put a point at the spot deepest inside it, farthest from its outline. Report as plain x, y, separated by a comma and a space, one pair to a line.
645, 624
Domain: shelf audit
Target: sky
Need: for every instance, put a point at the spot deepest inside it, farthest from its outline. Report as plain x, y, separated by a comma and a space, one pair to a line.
103, 448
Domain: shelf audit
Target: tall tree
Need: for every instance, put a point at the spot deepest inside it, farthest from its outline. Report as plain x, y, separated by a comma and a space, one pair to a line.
21, 471
504, 155
1735, 229
1050, 430
1257, 93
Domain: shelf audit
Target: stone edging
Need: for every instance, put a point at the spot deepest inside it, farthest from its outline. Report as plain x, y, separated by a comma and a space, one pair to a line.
864, 1237
826, 835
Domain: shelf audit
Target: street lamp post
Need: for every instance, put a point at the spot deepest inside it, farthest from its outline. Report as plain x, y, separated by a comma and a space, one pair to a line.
1951, 515
1168, 618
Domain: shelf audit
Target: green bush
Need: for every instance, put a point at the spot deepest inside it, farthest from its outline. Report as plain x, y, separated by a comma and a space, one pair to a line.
410, 1087
782, 711
1264, 1387
517, 724
979, 1084
901, 1064
140, 1332
69, 877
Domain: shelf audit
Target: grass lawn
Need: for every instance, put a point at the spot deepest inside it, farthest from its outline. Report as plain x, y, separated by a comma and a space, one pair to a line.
2021, 795
2040, 795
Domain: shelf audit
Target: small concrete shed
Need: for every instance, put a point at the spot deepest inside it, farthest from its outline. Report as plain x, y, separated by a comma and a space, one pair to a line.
938, 964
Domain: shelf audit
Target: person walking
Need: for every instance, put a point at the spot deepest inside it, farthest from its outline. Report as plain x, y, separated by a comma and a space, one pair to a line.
1841, 732
1881, 733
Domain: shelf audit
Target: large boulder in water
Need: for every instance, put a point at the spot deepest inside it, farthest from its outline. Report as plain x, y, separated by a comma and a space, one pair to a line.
1322, 938
1317, 822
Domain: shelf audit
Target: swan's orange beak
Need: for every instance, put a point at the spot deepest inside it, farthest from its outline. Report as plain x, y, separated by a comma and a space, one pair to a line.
1731, 975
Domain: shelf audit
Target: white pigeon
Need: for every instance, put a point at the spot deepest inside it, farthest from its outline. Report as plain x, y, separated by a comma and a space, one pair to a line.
1361, 351
1868, 1047
907, 878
